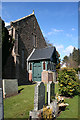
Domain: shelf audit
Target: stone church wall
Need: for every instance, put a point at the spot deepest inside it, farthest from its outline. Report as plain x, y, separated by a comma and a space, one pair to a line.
27, 37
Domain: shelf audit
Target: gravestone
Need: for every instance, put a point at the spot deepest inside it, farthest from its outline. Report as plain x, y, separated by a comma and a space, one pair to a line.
10, 87
1, 106
39, 96
55, 108
54, 76
50, 92
79, 75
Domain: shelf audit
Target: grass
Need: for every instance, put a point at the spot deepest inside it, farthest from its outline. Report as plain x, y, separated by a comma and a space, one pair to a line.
71, 111
19, 106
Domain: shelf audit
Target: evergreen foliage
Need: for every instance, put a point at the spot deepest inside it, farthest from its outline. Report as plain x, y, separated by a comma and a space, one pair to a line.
68, 82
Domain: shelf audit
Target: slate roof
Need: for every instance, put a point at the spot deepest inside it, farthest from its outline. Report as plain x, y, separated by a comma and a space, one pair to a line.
42, 54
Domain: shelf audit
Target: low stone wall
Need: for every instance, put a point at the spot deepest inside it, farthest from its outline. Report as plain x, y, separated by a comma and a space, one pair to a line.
10, 87
48, 76
54, 76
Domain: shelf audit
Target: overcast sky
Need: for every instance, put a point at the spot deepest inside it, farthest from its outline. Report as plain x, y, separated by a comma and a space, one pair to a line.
58, 21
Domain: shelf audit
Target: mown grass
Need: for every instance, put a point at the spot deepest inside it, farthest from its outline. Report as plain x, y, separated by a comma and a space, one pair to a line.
19, 106
71, 111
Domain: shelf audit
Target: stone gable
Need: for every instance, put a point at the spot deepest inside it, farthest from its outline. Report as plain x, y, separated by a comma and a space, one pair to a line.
27, 35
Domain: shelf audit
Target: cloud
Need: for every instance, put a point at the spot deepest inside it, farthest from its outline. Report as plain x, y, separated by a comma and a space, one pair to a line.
69, 35
50, 33
7, 23
53, 31
63, 51
59, 47
0, 6
68, 50
73, 29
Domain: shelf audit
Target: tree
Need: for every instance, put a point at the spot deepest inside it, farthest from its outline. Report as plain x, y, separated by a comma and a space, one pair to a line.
65, 59
78, 57
59, 60
75, 55
48, 43
74, 59
7, 44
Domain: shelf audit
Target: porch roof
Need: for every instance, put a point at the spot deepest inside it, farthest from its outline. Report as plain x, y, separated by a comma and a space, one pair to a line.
42, 54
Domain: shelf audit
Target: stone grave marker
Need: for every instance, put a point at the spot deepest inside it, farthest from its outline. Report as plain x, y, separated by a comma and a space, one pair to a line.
50, 92
54, 76
0, 95
55, 108
79, 75
1, 114
1, 106
39, 96
10, 87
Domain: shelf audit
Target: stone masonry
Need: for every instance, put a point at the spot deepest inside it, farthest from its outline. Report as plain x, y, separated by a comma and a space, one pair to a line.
50, 92
10, 87
27, 35
39, 96
1, 105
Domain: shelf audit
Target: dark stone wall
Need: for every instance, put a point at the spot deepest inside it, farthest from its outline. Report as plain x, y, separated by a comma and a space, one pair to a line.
25, 29
9, 68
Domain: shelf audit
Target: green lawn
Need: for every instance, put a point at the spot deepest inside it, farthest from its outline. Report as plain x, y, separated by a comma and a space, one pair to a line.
19, 106
71, 111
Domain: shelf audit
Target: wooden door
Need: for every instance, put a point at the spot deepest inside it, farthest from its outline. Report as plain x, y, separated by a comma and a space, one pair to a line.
36, 73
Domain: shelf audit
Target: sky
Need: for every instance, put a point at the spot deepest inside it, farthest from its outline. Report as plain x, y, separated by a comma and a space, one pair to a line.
58, 21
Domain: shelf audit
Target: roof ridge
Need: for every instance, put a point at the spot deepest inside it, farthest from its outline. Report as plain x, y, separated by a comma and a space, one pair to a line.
23, 17
45, 47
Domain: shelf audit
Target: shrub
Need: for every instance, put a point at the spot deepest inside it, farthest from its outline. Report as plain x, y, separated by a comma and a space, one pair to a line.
77, 69
68, 85
46, 114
